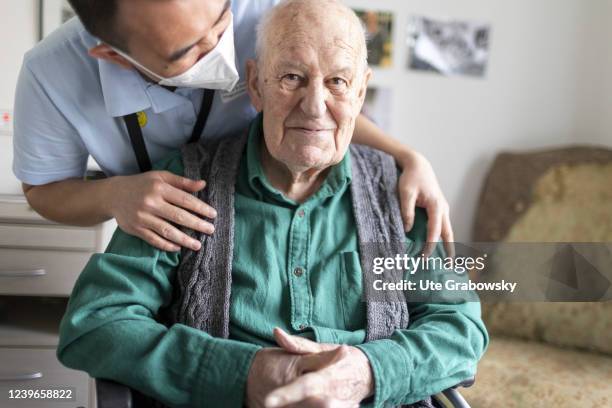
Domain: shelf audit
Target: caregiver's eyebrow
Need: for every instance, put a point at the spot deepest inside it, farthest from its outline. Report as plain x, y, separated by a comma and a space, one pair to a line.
177, 55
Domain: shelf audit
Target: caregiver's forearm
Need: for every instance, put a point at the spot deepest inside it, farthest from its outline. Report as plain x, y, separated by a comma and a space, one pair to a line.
369, 134
74, 201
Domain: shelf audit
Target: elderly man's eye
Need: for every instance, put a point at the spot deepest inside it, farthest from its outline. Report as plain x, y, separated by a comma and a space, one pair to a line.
291, 81
338, 83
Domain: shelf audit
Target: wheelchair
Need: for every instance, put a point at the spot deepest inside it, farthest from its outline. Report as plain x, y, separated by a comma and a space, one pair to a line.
114, 395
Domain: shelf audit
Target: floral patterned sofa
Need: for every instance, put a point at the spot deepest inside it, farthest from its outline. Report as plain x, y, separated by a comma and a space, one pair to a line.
547, 354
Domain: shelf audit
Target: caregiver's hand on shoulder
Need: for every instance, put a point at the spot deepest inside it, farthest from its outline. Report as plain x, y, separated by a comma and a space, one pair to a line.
146, 205
343, 381
418, 187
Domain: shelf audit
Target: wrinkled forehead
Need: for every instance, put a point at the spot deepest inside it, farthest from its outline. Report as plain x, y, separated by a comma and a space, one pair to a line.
321, 47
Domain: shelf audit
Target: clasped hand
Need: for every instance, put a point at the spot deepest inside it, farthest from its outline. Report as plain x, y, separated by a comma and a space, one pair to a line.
303, 373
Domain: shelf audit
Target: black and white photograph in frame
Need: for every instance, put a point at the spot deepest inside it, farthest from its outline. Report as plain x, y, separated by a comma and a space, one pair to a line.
448, 47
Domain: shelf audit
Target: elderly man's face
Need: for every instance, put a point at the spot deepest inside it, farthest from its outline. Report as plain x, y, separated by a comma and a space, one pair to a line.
310, 84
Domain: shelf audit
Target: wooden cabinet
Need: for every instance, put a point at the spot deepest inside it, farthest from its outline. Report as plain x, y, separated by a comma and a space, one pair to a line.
39, 263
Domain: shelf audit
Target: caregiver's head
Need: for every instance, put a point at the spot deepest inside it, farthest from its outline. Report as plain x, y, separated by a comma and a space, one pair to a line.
161, 38
310, 81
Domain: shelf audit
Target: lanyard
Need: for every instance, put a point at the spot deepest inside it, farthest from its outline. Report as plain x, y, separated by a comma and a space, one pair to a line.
137, 141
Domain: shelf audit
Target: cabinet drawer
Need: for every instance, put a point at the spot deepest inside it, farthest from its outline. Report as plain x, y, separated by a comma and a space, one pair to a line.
28, 272
48, 236
30, 321
39, 369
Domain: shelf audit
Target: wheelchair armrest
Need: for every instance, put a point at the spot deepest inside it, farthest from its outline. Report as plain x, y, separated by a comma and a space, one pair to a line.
453, 395
466, 383
113, 395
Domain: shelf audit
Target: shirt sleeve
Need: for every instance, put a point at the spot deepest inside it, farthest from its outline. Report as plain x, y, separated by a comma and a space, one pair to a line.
440, 348
46, 147
110, 331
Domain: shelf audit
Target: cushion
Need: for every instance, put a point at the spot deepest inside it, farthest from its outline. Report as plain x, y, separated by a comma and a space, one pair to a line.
586, 326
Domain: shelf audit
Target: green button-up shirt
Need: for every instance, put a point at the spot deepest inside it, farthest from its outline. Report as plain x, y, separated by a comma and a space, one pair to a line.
295, 266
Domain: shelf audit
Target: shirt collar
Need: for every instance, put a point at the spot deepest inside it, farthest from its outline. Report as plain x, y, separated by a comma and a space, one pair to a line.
336, 182
126, 91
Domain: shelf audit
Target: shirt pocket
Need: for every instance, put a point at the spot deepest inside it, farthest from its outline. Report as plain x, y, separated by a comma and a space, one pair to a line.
351, 288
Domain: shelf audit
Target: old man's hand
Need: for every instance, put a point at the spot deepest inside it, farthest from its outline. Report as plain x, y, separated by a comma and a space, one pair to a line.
275, 367
341, 377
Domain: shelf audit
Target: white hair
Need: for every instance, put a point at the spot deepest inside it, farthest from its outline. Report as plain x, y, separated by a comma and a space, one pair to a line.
265, 23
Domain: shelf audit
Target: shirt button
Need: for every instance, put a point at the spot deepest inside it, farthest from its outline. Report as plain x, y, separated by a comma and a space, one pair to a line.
302, 326
301, 213
298, 271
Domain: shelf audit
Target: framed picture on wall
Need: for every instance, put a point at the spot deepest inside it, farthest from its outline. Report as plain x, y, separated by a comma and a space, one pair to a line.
448, 47
379, 35
51, 15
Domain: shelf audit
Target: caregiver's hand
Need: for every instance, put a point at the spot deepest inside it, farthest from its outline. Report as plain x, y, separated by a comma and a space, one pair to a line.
418, 187
344, 381
146, 205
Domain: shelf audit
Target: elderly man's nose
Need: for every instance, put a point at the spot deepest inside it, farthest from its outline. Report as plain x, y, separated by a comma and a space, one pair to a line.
314, 101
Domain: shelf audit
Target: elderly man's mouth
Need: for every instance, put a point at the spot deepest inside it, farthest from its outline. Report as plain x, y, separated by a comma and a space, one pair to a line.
311, 131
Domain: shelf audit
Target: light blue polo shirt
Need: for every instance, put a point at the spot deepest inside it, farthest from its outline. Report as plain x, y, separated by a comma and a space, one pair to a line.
69, 105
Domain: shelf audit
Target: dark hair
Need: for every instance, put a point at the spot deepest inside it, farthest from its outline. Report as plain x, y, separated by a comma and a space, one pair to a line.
98, 17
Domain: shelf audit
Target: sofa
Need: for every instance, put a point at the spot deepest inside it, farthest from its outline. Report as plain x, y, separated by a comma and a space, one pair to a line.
547, 354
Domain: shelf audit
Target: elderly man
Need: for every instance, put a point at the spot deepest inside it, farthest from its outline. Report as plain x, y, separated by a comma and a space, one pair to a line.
269, 311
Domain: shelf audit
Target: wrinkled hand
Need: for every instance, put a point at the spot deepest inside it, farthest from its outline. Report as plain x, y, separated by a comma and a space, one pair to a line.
146, 204
418, 187
275, 367
344, 380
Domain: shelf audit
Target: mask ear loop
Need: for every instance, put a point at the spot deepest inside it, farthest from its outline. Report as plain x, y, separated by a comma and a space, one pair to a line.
132, 61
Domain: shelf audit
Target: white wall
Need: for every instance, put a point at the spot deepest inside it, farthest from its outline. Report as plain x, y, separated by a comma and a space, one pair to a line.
606, 101
545, 81
594, 77
548, 84
18, 33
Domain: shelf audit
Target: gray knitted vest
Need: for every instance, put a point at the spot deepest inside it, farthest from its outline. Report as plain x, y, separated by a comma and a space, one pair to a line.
204, 278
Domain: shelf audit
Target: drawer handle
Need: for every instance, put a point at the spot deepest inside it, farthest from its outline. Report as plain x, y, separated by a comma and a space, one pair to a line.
22, 274
21, 377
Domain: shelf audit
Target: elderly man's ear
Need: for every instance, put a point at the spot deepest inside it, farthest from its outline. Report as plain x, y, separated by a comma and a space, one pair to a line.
253, 84
364, 88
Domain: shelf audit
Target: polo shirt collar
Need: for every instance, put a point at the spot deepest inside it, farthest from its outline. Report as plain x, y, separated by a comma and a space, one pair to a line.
336, 182
126, 91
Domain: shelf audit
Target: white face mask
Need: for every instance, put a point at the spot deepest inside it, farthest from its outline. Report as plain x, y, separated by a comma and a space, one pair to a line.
216, 70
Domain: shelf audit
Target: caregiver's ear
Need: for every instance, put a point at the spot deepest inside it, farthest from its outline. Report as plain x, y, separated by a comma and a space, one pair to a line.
105, 52
253, 85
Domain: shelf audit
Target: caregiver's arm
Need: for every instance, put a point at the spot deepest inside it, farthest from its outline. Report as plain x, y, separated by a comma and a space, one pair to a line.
110, 332
144, 205
50, 159
418, 185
